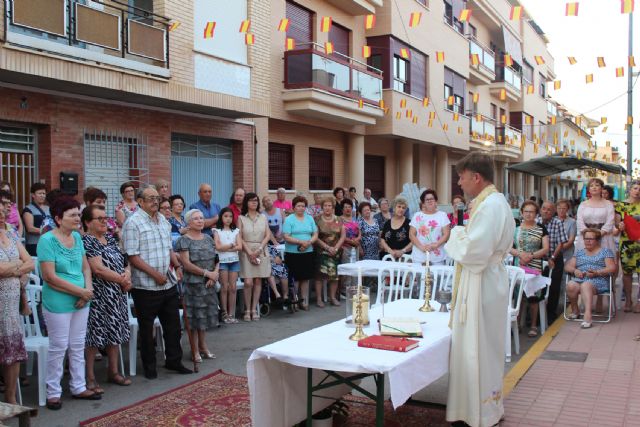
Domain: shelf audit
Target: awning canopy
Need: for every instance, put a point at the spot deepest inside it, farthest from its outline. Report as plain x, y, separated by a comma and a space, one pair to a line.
551, 165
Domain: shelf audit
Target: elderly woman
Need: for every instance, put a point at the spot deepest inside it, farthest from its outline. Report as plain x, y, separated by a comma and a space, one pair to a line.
300, 234
338, 193
254, 259
235, 203
384, 215
315, 209
629, 249
128, 205
429, 231
162, 187
370, 232
275, 217
108, 324
13, 216
282, 203
351, 245
531, 244
66, 291
34, 215
395, 239
198, 256
178, 224
590, 267
331, 236
15, 263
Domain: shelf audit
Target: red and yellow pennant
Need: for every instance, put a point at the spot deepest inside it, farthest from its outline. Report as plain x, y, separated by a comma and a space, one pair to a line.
539, 59
209, 30
409, 113
456, 117
403, 103
430, 123
414, 120
603, 120
425, 101
632, 61
503, 119
553, 120
508, 61
588, 78
432, 115
369, 22
404, 53
476, 97
503, 94
572, 60
516, 13
289, 44
283, 26
249, 39
475, 59
620, 72
439, 56
328, 48
601, 63
571, 9
530, 89
174, 25
414, 19
325, 24
445, 127
366, 51
557, 84
360, 103
398, 115
245, 26
450, 101
626, 6
465, 15
459, 130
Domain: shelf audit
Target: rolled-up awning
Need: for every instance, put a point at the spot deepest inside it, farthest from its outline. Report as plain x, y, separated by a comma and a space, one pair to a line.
512, 45
551, 165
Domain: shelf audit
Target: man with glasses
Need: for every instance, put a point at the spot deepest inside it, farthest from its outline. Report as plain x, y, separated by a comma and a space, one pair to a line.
147, 242
557, 241
208, 208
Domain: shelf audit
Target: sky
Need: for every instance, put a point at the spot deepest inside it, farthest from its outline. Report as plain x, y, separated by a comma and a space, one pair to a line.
598, 30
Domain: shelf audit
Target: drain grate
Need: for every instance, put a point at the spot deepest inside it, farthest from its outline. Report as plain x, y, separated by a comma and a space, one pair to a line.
565, 356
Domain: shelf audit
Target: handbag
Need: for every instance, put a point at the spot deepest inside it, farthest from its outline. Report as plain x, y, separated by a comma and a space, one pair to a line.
631, 227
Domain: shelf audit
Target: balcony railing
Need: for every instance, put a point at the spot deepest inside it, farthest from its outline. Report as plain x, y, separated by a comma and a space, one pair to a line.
552, 110
111, 29
311, 67
507, 133
484, 129
485, 55
510, 76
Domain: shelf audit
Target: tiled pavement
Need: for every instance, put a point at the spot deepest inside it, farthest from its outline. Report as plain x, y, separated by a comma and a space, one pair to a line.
604, 390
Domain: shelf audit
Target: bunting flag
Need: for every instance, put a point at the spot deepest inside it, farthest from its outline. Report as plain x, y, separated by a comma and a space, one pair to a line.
432, 115
439, 56
414, 19
244, 26
409, 113
425, 101
516, 13
283, 26
603, 120
572, 60
530, 89
476, 97
566, 134
174, 25
430, 123
289, 44
630, 120
456, 117
209, 30
325, 24
404, 52
479, 118
450, 101
415, 120
588, 78
381, 104
369, 22
626, 6
571, 9
620, 72
604, 129
557, 84
508, 61
632, 61
459, 130
366, 51
503, 94
503, 119
328, 48
528, 120
386, 110
249, 39
465, 15
398, 115
403, 103
553, 120
475, 59
445, 126
601, 63
539, 59
360, 103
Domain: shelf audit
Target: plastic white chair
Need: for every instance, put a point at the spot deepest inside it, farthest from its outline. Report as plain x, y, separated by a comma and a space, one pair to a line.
442, 280
134, 327
401, 283
612, 305
35, 342
516, 283
403, 258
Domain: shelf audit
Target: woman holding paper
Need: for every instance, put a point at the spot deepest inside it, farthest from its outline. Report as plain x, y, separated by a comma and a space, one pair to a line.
531, 244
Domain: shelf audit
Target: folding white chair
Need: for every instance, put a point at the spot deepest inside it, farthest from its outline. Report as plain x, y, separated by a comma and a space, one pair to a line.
401, 282
35, 342
403, 258
134, 327
606, 318
516, 282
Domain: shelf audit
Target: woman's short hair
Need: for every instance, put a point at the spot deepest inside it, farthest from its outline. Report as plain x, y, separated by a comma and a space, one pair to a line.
160, 183
477, 162
176, 197
245, 202
337, 190
220, 224
126, 185
529, 203
164, 200
328, 199
363, 205
565, 202
37, 186
91, 194
382, 199
352, 189
429, 191
346, 202
458, 196
190, 213
595, 181
399, 201
597, 233
87, 215
62, 204
299, 199
609, 190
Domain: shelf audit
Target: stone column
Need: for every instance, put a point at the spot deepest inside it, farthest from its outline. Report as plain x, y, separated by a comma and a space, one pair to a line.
355, 162
405, 163
442, 175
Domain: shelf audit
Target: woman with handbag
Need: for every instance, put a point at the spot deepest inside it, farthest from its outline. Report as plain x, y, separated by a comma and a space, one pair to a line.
627, 217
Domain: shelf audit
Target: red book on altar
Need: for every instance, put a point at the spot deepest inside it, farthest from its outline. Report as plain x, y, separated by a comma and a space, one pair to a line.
381, 342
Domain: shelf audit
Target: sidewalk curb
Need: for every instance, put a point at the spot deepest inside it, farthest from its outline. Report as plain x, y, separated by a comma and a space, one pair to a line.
529, 358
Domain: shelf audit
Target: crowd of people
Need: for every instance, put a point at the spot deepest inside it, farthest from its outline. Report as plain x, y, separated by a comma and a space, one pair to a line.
152, 256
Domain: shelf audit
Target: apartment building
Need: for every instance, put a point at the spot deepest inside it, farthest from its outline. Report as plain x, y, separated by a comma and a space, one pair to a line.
106, 91
327, 126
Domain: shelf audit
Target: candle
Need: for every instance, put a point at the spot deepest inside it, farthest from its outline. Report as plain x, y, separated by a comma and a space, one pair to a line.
359, 277
365, 309
428, 258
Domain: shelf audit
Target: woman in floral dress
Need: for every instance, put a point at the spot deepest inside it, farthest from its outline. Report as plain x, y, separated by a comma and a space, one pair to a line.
331, 236
429, 231
370, 232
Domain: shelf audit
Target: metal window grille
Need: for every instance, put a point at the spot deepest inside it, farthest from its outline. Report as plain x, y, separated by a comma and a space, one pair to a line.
18, 160
112, 158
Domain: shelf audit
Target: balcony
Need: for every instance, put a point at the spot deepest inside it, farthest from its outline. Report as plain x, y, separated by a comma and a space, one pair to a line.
482, 132
357, 7
331, 87
508, 142
483, 73
552, 109
111, 33
509, 79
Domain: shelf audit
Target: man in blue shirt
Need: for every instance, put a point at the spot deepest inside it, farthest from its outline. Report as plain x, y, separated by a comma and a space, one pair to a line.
208, 208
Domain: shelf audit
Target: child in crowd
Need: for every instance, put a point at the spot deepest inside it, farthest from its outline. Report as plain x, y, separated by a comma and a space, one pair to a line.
228, 243
278, 270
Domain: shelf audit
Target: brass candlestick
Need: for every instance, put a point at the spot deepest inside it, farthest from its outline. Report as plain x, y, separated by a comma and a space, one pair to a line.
358, 320
428, 283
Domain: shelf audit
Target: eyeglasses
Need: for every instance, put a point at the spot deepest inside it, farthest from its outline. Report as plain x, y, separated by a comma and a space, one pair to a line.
152, 199
101, 218
165, 207
589, 238
6, 202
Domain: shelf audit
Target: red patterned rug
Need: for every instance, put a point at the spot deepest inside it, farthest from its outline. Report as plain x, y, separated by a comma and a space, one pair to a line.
220, 399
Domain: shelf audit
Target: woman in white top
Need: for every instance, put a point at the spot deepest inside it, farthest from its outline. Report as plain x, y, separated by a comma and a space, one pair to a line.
228, 243
429, 231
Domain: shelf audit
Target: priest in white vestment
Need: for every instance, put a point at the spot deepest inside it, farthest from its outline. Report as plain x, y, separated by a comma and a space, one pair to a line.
480, 294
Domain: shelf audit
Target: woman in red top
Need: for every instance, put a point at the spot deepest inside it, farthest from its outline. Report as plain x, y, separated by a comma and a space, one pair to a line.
453, 217
235, 203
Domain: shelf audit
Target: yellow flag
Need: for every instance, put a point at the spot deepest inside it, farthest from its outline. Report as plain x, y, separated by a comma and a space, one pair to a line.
556, 85
398, 115
450, 100
174, 25
404, 52
403, 103
603, 120
445, 126
369, 22
620, 72
325, 24
601, 62
283, 26
432, 115
366, 51
503, 119
476, 97
425, 101
415, 120
530, 89
245, 26
290, 44
209, 30
553, 120
439, 57
539, 59
414, 19
588, 78
626, 6
516, 13
508, 62
328, 48
572, 60
465, 15
503, 94
475, 59
249, 39
459, 130
632, 61
571, 9
360, 103
456, 117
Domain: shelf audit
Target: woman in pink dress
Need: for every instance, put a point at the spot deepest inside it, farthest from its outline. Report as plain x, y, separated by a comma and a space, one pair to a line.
597, 213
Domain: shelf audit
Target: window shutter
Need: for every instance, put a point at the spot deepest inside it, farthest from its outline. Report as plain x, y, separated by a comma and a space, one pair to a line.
418, 76
280, 166
339, 36
300, 24
320, 169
